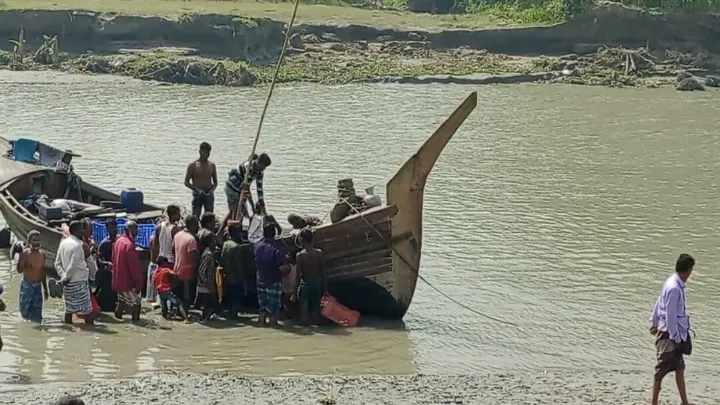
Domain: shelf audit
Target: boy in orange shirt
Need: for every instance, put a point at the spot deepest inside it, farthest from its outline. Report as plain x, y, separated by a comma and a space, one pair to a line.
165, 279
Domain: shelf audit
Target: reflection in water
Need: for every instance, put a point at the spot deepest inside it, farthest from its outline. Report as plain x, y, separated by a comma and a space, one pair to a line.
113, 349
560, 208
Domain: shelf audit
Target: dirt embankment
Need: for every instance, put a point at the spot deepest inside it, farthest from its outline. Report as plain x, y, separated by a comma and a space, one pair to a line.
339, 54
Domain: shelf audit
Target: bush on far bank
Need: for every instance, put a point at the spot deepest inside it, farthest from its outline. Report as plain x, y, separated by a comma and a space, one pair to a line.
542, 11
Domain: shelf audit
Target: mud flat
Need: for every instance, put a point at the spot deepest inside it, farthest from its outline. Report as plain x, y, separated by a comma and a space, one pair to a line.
613, 46
545, 388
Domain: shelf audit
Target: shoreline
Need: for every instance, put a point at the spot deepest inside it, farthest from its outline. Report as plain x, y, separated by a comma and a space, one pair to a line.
240, 51
605, 387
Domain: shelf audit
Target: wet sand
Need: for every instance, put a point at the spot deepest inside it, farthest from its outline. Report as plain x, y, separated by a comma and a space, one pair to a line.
539, 389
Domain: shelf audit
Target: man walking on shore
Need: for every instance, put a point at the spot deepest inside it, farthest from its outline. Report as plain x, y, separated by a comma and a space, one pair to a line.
671, 328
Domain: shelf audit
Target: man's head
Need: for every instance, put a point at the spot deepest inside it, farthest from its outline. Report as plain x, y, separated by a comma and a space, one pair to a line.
192, 224
206, 239
173, 213
263, 161
131, 229
684, 266
296, 221
87, 227
306, 237
33, 239
205, 149
235, 231
77, 229
111, 226
269, 231
208, 221
67, 158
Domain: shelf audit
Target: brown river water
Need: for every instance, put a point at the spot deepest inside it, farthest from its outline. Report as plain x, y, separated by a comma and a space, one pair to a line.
558, 208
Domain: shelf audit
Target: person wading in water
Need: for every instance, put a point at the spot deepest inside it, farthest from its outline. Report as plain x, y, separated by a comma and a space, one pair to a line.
201, 178
271, 265
671, 329
127, 278
33, 288
187, 257
311, 278
71, 266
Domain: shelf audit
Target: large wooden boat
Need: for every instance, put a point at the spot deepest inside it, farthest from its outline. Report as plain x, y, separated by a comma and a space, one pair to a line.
19, 180
373, 257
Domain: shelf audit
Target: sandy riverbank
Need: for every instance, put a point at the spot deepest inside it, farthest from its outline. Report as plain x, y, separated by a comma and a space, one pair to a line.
207, 49
539, 389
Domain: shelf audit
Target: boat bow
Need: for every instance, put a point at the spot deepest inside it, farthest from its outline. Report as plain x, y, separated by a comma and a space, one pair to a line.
406, 191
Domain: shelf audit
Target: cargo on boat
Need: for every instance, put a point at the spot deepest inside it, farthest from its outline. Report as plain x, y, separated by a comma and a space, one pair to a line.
35, 195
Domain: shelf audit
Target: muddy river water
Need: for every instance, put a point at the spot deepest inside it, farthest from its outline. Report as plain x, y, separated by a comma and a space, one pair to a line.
558, 208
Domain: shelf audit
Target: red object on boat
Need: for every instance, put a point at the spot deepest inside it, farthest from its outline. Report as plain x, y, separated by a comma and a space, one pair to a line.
333, 310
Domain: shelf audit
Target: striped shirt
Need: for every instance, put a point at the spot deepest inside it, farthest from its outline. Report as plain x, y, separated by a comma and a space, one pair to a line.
237, 175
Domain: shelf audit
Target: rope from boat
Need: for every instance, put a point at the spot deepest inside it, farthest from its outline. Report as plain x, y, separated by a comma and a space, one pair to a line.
241, 201
416, 271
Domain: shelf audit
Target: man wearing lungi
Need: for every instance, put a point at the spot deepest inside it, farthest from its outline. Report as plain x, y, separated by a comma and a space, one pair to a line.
271, 265
671, 329
71, 266
127, 278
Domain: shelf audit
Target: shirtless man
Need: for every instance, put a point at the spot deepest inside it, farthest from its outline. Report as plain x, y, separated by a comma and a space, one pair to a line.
33, 288
201, 178
311, 278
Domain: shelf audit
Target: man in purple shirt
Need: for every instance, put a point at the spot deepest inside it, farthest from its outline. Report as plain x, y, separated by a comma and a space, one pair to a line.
271, 266
671, 328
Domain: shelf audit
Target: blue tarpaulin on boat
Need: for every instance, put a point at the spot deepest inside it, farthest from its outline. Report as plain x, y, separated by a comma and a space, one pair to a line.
24, 149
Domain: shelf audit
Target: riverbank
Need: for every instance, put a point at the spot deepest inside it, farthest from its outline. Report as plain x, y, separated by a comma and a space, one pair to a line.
624, 47
612, 387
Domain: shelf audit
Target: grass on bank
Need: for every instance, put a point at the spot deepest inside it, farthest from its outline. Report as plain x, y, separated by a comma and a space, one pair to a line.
311, 11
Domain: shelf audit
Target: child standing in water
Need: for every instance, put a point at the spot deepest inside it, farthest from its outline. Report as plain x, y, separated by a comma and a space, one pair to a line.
33, 289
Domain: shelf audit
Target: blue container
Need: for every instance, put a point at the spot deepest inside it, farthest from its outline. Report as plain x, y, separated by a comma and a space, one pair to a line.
132, 199
145, 232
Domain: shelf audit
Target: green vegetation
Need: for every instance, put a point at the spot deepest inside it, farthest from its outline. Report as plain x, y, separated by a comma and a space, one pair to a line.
318, 11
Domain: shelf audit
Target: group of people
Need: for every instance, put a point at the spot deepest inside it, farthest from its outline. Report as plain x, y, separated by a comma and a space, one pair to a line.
201, 266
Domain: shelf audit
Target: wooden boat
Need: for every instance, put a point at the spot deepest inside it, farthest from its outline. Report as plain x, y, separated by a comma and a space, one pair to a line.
20, 180
373, 257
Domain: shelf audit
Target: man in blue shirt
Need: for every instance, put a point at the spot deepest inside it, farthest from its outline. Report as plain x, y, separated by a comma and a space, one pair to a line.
271, 265
104, 293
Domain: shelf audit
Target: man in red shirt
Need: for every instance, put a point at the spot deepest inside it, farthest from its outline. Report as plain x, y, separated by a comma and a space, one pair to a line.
127, 277
187, 257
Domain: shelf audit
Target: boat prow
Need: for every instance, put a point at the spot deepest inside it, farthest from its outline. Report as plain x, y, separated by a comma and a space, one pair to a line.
372, 257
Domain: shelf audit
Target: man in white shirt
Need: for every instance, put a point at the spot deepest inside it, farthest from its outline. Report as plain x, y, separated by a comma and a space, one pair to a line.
71, 266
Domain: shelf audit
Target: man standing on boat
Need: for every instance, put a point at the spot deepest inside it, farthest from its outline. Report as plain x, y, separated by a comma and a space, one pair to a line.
235, 184
201, 178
